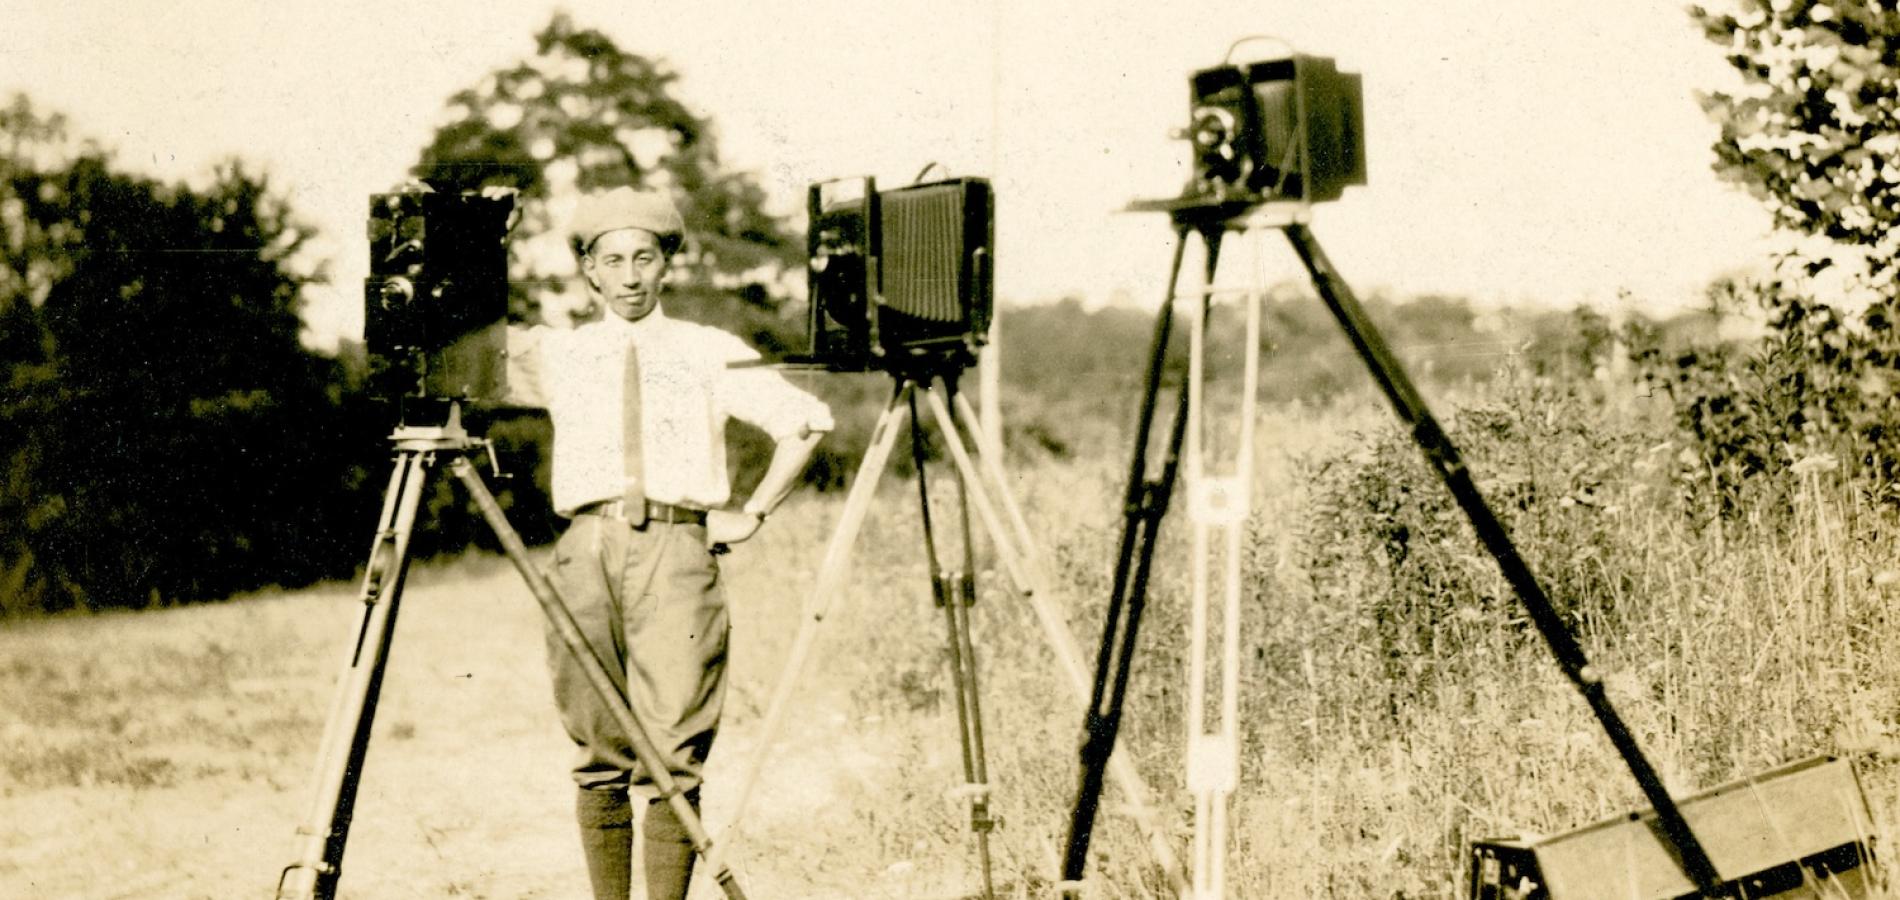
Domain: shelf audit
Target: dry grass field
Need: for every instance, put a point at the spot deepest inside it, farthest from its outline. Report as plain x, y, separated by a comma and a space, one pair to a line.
1396, 702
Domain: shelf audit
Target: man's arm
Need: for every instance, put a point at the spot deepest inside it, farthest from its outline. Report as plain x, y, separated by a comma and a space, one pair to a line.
789, 456
795, 420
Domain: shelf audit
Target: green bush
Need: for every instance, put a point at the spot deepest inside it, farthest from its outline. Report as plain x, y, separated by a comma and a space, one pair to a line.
165, 435
1387, 548
1818, 385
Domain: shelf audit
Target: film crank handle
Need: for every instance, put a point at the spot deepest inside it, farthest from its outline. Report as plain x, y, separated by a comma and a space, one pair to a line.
320, 839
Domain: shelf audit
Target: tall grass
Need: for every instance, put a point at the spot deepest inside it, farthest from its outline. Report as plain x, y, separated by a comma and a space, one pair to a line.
1396, 703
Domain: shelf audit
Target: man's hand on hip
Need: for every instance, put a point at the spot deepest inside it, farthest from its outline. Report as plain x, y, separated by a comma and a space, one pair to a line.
725, 526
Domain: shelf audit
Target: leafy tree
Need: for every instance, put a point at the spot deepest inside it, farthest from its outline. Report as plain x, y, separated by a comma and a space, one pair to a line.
164, 433
581, 115
1815, 132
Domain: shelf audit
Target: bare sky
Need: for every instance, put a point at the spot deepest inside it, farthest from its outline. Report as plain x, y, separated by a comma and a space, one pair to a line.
1541, 151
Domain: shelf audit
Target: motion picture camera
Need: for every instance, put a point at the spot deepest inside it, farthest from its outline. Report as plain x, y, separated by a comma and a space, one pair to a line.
900, 278
1289, 129
436, 299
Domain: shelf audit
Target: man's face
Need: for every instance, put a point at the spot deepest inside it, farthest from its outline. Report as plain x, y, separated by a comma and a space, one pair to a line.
626, 266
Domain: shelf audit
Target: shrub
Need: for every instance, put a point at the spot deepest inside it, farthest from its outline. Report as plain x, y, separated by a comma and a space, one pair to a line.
1819, 384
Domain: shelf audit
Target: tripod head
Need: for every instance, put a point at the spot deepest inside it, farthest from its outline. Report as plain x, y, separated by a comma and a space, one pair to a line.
924, 365
426, 412
442, 430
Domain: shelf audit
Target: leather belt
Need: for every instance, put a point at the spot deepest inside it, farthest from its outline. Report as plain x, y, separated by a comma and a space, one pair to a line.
656, 512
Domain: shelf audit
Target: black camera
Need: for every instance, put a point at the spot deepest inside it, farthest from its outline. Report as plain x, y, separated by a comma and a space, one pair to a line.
436, 299
899, 278
1279, 129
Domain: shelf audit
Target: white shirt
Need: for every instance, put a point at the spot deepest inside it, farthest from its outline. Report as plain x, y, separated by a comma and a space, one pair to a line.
688, 392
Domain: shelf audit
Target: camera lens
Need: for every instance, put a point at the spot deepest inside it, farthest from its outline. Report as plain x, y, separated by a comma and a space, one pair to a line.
397, 292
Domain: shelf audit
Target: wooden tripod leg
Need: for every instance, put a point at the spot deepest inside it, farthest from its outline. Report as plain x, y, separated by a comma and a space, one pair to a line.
998, 479
831, 574
326, 828
1028, 580
644, 748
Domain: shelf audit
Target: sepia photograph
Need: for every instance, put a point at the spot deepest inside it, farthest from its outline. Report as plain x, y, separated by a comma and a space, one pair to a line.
904, 451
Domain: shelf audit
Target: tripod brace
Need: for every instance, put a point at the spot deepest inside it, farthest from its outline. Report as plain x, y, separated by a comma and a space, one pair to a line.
955, 593
321, 837
1147, 501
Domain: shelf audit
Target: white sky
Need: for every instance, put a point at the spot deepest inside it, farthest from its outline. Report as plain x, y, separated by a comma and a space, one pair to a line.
1541, 151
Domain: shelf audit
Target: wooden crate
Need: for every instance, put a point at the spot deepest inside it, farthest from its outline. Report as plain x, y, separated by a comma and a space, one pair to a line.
1802, 830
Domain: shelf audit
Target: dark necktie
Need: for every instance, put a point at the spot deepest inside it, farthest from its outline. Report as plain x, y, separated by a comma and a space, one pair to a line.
635, 496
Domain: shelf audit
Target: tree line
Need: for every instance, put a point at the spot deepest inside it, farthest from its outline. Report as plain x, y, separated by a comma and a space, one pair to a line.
166, 436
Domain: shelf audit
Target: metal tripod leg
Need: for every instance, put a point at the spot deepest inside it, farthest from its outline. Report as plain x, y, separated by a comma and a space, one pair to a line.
1444, 457
325, 828
1024, 574
1022, 566
1019, 566
831, 574
1135, 791
1144, 506
955, 593
644, 748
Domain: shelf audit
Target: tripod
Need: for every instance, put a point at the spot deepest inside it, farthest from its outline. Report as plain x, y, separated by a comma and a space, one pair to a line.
1213, 763
978, 477
320, 838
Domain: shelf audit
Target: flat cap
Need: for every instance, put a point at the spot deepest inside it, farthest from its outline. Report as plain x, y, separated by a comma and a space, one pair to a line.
625, 207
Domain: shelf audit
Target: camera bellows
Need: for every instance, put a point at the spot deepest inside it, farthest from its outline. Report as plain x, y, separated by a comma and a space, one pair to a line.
929, 250
899, 278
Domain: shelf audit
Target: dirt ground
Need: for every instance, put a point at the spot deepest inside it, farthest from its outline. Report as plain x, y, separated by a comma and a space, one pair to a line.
465, 792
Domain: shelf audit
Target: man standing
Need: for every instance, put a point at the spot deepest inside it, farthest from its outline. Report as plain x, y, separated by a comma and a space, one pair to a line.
639, 403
